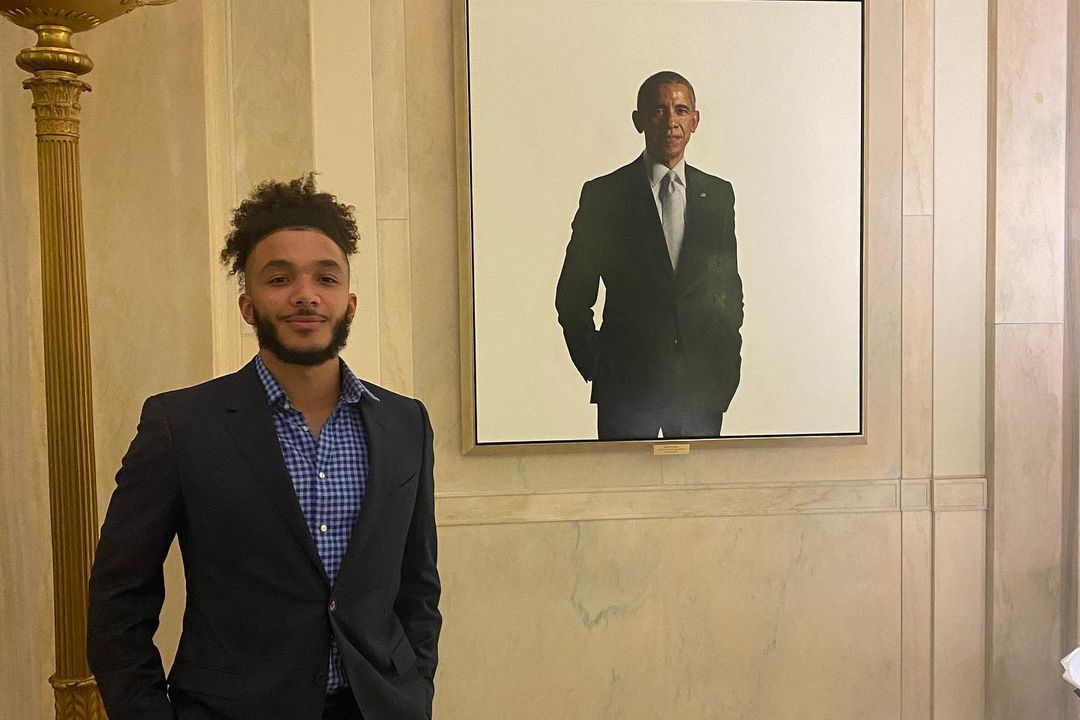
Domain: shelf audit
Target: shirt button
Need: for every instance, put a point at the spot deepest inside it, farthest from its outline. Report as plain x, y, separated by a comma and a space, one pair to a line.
322, 527
287, 405
322, 476
333, 605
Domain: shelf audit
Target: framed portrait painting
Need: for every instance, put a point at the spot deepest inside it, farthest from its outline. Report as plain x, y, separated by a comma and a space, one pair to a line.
662, 215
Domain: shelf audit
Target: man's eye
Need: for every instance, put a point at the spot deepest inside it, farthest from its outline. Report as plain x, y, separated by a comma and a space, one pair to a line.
329, 279
277, 280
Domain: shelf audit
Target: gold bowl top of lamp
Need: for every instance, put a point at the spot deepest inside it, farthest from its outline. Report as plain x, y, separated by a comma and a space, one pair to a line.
77, 15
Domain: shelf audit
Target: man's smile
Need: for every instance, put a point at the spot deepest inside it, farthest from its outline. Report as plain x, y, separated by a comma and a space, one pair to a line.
305, 320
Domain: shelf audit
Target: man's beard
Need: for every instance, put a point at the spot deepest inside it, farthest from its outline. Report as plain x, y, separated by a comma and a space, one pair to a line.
267, 334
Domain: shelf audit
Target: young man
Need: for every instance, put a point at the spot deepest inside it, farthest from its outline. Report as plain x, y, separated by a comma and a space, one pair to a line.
303, 501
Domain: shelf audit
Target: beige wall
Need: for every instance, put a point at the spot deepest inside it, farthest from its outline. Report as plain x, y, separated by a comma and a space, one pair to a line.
831, 581
1026, 357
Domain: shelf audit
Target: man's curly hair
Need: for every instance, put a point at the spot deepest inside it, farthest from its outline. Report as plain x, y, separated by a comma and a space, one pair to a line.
276, 205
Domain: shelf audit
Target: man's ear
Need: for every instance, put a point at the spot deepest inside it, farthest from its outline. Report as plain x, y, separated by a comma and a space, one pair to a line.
638, 124
352, 305
247, 309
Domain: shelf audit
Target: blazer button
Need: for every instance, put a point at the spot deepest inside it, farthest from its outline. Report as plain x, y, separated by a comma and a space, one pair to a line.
333, 605
320, 679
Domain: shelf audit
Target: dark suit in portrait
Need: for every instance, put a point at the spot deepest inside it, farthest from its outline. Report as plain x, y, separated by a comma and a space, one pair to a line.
667, 354
206, 466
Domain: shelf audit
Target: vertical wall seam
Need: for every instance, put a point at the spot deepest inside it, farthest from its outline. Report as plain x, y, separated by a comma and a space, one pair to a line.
1071, 351
932, 650
990, 344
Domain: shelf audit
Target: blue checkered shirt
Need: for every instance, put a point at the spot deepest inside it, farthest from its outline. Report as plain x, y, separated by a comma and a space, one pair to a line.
328, 475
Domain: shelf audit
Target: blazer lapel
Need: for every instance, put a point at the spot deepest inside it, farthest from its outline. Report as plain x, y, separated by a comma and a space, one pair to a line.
642, 209
380, 444
249, 420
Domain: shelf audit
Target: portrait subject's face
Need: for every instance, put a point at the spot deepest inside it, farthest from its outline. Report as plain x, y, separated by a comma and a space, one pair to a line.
296, 296
667, 121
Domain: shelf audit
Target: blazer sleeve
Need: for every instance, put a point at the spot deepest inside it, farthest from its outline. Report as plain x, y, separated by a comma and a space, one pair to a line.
579, 282
127, 584
417, 603
732, 308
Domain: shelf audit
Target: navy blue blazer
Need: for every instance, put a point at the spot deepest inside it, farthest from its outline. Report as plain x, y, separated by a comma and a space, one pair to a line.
206, 467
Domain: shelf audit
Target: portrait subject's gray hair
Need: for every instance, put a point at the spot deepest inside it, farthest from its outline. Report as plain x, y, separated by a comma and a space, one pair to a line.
648, 88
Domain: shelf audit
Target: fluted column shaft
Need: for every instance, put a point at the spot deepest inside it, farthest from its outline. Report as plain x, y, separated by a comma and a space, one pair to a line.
68, 397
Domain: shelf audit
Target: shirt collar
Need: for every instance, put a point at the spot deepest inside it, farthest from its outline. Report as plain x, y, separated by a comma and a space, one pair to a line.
656, 171
351, 387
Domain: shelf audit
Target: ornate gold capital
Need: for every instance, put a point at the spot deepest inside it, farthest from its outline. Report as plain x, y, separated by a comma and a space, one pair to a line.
77, 699
56, 102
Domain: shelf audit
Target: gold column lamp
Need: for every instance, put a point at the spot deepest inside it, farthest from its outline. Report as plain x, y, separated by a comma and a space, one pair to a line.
56, 67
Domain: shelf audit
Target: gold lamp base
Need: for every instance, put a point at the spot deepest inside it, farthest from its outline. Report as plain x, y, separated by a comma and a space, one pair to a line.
77, 699
56, 67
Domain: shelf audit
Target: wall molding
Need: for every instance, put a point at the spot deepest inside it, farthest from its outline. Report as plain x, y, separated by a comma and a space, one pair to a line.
719, 500
668, 502
915, 494
960, 493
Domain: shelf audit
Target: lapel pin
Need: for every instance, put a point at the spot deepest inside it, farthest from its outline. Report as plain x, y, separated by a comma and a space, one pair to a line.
702, 195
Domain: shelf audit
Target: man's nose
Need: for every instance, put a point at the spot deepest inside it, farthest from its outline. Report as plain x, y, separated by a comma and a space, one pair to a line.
304, 293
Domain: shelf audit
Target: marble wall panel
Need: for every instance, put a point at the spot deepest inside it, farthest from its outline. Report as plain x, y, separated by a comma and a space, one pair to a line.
1072, 341
395, 307
272, 83
959, 603
1026, 522
959, 287
915, 494
917, 613
960, 494
26, 653
1027, 458
1029, 144
746, 617
918, 107
392, 149
918, 351
433, 224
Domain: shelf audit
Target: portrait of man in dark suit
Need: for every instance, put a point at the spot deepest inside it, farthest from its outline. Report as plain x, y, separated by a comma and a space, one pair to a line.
303, 501
660, 234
